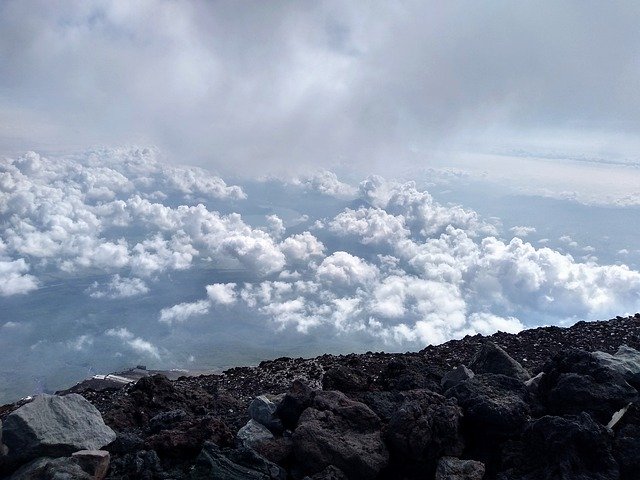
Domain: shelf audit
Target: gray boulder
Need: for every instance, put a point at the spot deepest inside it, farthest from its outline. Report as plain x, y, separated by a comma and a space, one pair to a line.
55, 426
341, 432
253, 434
626, 361
455, 376
94, 462
213, 463
64, 468
490, 358
452, 468
262, 409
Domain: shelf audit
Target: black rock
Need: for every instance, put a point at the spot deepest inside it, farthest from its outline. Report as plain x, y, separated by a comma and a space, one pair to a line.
166, 420
341, 432
490, 358
575, 381
293, 404
455, 376
627, 443
345, 379
573, 447
425, 427
229, 464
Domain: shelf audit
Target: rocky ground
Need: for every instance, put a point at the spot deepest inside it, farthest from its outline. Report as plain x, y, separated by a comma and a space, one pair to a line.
544, 404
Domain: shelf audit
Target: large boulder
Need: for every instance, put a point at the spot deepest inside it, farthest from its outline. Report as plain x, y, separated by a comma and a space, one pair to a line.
575, 381
490, 358
345, 379
338, 431
573, 447
252, 434
451, 468
55, 426
214, 463
626, 361
46, 468
425, 427
411, 373
494, 406
262, 409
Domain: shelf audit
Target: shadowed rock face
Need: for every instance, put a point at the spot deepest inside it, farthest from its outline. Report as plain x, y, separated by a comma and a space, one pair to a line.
396, 416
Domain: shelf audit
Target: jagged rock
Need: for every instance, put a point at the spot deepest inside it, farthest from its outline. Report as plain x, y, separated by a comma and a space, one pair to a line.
576, 381
242, 464
496, 405
188, 437
339, 431
166, 420
55, 426
627, 442
262, 409
455, 376
490, 358
140, 465
626, 361
345, 379
277, 450
94, 462
64, 468
534, 382
126, 442
253, 434
329, 473
411, 373
425, 427
451, 468
3, 448
564, 448
384, 404
293, 404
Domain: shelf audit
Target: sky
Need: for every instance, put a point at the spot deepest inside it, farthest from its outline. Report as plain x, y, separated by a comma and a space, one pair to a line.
197, 185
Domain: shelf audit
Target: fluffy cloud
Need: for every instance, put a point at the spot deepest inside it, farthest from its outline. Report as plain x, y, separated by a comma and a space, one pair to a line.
301, 248
118, 287
344, 269
137, 344
522, 231
222, 293
14, 279
183, 311
325, 182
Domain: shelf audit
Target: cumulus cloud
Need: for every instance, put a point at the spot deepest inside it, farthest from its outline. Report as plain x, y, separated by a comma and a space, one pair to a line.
137, 344
222, 293
13, 278
522, 231
301, 248
183, 311
325, 182
118, 287
344, 269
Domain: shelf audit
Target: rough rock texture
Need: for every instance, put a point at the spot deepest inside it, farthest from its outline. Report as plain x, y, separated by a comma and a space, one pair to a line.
55, 426
626, 361
569, 447
341, 432
94, 462
262, 409
253, 434
424, 427
627, 442
455, 376
490, 358
451, 468
575, 381
215, 464
64, 468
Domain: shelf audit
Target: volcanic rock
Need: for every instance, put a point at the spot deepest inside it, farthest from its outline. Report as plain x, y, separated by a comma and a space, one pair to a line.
490, 358
94, 462
345, 379
55, 426
425, 427
575, 381
455, 376
253, 434
214, 464
341, 432
566, 448
293, 404
52, 468
262, 409
451, 468
627, 442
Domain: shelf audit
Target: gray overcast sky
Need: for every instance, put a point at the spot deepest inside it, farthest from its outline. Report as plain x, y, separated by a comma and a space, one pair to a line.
261, 86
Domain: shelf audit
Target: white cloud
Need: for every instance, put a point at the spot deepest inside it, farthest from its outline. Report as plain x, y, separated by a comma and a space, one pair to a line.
13, 278
183, 311
137, 344
371, 225
522, 231
326, 183
341, 269
222, 293
118, 287
301, 248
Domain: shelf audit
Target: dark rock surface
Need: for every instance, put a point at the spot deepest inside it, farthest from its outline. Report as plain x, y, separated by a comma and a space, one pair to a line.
387, 416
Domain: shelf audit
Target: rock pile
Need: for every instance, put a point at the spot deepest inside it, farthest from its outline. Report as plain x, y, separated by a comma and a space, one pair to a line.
574, 416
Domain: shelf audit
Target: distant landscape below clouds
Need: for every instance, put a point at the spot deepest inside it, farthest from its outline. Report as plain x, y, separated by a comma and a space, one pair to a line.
113, 257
